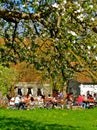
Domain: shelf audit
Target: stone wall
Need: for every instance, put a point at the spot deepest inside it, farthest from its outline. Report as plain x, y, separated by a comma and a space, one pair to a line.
23, 88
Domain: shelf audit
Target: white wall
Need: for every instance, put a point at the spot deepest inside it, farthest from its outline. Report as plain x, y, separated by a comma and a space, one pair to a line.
88, 87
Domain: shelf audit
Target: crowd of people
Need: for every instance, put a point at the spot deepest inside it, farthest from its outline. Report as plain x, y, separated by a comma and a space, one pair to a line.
85, 101
40, 101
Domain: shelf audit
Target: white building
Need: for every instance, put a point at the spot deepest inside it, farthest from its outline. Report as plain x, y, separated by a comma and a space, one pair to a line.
85, 87
81, 88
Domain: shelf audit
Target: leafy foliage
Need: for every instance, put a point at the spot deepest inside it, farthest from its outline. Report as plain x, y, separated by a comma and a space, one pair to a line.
7, 79
59, 32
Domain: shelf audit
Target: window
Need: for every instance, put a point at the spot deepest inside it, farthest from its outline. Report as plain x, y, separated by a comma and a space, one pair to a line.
29, 91
39, 92
19, 92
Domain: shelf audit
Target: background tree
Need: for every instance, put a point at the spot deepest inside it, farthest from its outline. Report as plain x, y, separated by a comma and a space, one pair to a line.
69, 27
8, 77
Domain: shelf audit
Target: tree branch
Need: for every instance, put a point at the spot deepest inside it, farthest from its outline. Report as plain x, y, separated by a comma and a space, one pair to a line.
15, 16
86, 68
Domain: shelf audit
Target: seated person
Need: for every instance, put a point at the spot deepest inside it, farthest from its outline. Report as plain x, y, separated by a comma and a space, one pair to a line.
81, 101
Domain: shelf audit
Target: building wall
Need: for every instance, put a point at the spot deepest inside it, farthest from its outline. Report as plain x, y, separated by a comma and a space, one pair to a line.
81, 88
33, 88
73, 87
91, 88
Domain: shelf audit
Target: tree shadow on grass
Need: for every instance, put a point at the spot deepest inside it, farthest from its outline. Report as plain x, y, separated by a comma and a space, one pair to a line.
22, 124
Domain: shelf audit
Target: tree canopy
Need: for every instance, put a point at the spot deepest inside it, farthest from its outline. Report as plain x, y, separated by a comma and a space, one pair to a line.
8, 77
61, 34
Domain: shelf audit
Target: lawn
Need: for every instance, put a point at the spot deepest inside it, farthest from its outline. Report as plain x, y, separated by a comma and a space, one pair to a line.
43, 119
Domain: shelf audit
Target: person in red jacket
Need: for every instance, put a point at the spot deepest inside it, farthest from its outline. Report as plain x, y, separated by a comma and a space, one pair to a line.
81, 101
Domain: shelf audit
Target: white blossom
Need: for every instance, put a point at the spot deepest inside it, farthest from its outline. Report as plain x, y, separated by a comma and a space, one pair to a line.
89, 47
76, 3
24, 5
29, 47
73, 33
91, 6
94, 46
92, 19
81, 17
74, 41
55, 5
78, 11
65, 1
96, 58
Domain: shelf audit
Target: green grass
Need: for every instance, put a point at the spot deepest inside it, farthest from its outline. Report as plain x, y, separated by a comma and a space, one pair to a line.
42, 119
